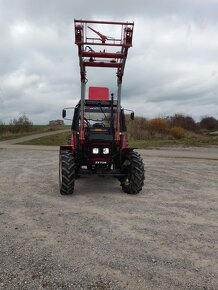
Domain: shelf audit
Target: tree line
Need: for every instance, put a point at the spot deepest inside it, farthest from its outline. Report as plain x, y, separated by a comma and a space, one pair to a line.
176, 126
17, 125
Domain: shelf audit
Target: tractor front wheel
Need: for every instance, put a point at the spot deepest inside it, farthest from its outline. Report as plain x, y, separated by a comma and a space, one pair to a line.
66, 172
133, 166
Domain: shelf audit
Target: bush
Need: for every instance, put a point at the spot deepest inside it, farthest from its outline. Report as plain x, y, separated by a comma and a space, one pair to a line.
209, 123
185, 122
20, 124
177, 126
177, 132
137, 129
2, 128
158, 125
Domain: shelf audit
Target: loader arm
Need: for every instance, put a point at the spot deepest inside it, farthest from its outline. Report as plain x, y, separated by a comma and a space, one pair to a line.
99, 57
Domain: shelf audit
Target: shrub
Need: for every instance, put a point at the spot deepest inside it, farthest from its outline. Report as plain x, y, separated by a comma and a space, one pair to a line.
158, 125
177, 132
185, 122
2, 127
209, 123
137, 129
20, 124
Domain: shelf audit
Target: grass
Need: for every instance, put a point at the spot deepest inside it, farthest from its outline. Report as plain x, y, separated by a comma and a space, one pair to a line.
60, 139
53, 140
156, 143
35, 129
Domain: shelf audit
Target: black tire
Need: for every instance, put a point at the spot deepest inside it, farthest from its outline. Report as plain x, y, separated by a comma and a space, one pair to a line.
66, 172
133, 166
77, 166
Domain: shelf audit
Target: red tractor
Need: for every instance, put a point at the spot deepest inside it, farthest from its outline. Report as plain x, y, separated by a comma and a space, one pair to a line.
98, 144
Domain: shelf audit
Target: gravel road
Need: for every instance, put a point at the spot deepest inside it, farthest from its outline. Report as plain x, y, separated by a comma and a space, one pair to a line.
101, 238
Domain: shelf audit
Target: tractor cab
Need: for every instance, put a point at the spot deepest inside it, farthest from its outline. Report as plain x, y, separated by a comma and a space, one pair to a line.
99, 121
99, 115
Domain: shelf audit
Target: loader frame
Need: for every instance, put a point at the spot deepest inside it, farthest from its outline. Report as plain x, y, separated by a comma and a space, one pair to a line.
91, 58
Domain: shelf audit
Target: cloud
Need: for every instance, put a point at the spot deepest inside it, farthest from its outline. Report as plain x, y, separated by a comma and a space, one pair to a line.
171, 68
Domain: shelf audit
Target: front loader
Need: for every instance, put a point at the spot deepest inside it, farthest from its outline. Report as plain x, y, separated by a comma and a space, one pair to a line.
98, 144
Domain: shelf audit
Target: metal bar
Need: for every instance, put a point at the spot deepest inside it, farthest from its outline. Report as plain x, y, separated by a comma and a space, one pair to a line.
110, 39
117, 136
102, 64
107, 44
112, 172
104, 22
102, 54
83, 90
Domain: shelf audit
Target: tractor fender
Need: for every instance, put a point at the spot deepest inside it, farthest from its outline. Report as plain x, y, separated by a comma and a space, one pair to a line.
125, 150
66, 147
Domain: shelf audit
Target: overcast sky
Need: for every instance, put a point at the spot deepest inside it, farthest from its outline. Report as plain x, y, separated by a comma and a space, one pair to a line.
171, 68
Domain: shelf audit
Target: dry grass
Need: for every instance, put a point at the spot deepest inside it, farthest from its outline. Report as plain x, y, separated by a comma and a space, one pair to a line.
8, 132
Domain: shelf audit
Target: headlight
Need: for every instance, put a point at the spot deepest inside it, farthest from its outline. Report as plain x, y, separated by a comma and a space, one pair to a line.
95, 150
105, 150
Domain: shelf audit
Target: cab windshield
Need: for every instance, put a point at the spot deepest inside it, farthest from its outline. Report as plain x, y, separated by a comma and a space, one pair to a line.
100, 116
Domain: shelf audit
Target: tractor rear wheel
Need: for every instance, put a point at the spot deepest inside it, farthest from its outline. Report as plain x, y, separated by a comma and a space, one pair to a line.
66, 172
133, 166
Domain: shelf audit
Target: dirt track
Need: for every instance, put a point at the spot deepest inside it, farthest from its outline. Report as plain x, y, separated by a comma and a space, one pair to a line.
100, 238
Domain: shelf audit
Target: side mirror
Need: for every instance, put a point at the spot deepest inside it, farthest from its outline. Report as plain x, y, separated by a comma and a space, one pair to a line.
132, 116
64, 113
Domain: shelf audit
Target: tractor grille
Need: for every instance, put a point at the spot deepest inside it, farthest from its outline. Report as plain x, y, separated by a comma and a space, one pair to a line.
100, 153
